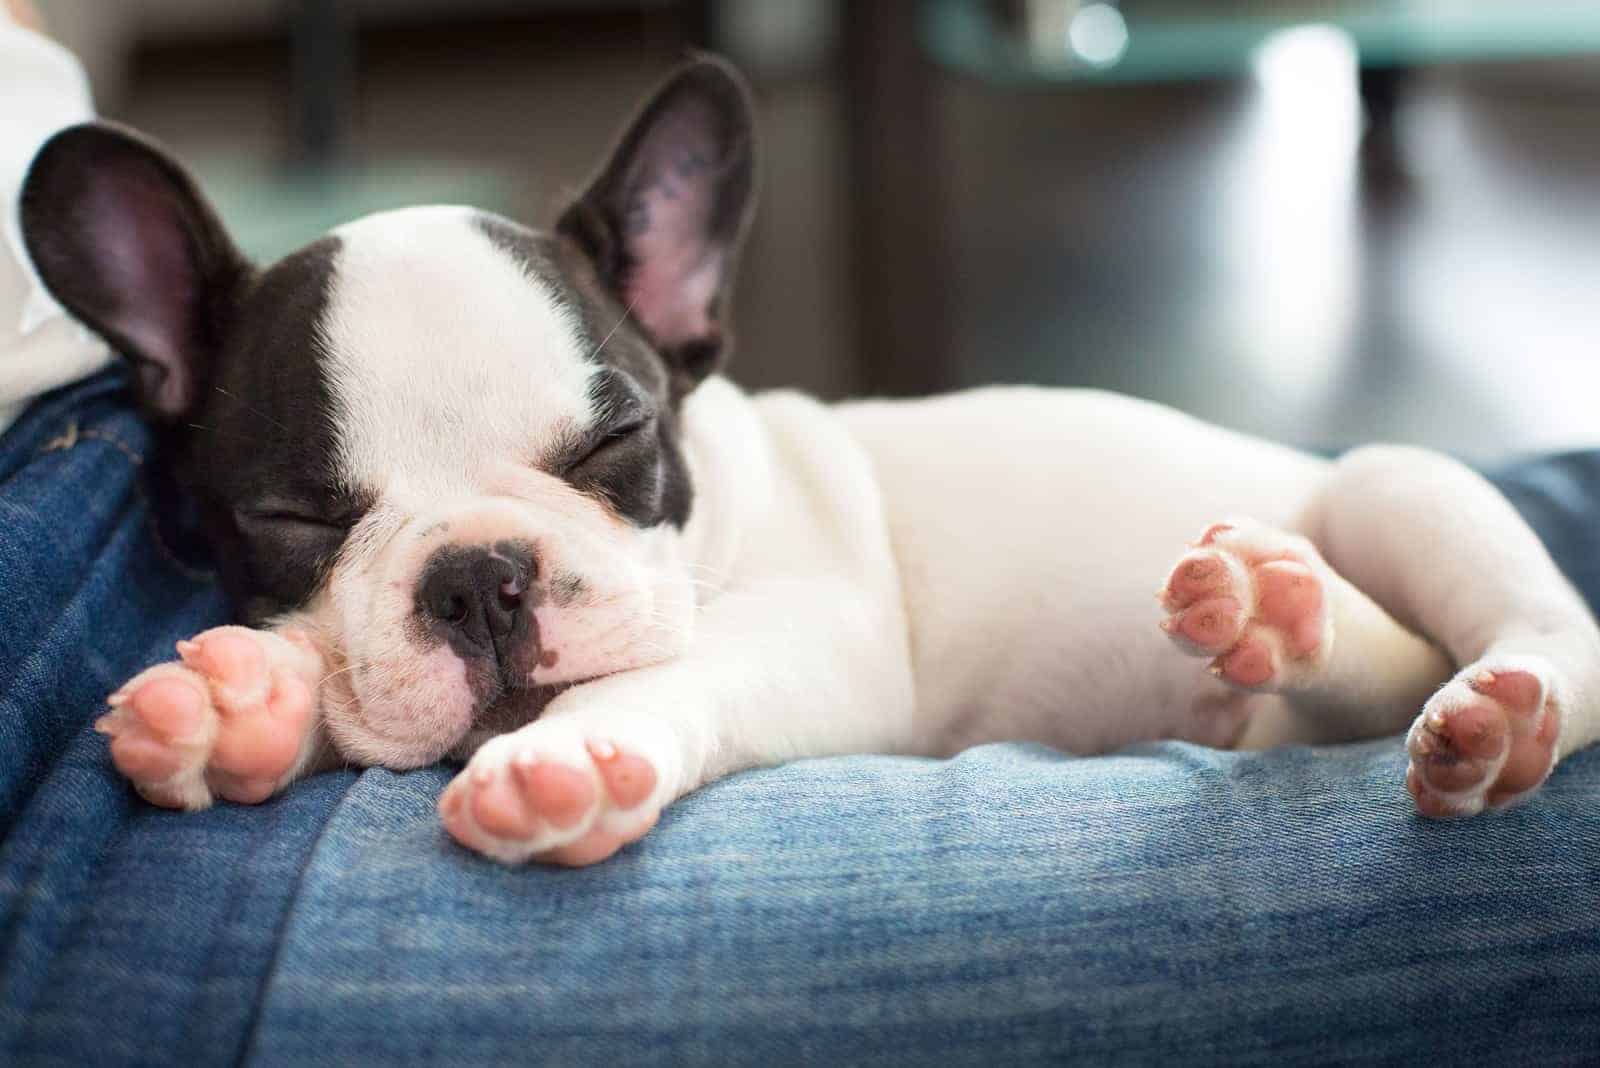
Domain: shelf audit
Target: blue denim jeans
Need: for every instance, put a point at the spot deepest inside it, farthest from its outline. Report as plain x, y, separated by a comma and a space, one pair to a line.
1170, 904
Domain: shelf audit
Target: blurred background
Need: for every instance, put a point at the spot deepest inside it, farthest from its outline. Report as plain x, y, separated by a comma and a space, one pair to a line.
1323, 221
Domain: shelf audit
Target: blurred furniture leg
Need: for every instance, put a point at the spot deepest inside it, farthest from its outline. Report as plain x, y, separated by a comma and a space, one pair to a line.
324, 61
1382, 88
700, 22
900, 271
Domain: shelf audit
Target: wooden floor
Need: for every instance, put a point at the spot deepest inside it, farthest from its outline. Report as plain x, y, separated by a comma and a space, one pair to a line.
1251, 263
1231, 249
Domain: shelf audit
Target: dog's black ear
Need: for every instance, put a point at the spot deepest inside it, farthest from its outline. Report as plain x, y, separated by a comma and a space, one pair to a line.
124, 240
664, 219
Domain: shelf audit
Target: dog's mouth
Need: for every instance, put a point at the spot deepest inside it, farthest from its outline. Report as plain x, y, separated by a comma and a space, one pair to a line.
508, 711
500, 676
513, 708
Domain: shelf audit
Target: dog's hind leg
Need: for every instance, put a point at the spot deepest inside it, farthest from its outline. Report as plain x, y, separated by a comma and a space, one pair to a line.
1447, 556
1272, 616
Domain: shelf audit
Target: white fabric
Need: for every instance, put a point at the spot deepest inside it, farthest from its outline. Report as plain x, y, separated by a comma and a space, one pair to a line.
42, 89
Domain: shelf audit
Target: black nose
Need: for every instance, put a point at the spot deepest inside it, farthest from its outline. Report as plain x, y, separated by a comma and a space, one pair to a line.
475, 596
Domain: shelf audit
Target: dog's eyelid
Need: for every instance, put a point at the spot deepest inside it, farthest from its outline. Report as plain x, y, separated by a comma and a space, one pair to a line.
293, 512
629, 422
620, 428
339, 506
626, 411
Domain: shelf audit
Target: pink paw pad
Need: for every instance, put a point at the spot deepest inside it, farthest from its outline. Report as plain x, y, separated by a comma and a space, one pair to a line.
1289, 597
1250, 663
1248, 597
1486, 738
172, 707
629, 779
560, 795
530, 798
1198, 575
228, 659
1212, 625
219, 716
513, 802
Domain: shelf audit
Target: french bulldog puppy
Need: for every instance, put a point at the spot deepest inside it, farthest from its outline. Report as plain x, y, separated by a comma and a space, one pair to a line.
486, 498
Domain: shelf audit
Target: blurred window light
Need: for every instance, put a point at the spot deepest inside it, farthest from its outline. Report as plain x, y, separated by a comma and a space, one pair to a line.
1098, 34
1292, 221
1310, 73
1076, 32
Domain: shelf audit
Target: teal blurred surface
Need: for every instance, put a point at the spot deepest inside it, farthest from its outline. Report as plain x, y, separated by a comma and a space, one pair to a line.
1171, 41
271, 213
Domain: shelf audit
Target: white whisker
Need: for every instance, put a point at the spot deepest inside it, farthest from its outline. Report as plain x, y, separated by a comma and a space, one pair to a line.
625, 313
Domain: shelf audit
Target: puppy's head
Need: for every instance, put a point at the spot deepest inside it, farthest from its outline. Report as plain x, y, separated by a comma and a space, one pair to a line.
454, 443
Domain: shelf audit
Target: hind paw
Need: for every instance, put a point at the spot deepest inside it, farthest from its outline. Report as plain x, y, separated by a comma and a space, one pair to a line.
1253, 600
1486, 739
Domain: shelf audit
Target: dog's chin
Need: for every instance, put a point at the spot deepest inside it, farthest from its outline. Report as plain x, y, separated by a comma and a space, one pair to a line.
422, 740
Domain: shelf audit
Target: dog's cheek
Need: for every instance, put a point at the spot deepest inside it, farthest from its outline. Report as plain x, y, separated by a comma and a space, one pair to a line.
675, 595
642, 614
411, 710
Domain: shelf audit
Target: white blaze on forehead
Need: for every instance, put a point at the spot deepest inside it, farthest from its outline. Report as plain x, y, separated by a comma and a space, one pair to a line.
444, 354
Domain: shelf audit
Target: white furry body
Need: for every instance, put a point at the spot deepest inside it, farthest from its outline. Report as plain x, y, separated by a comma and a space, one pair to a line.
1032, 529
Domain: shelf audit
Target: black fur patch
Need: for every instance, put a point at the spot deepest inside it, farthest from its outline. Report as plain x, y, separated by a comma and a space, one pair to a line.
641, 475
259, 450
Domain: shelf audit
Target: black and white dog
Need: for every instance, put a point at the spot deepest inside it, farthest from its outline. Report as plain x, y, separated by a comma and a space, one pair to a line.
486, 497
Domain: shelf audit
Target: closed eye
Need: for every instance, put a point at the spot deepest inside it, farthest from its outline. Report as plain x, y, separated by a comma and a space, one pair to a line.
308, 521
611, 438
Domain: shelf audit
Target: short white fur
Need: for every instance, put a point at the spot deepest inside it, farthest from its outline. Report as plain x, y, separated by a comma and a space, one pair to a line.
444, 355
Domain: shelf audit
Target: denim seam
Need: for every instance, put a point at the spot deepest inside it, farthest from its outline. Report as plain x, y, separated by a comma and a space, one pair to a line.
133, 455
67, 440
70, 436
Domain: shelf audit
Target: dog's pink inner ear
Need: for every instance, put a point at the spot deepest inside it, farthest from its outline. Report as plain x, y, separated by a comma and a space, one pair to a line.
675, 223
147, 278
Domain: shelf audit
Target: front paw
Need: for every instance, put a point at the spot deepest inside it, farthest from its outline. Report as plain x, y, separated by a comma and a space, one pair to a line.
553, 793
228, 720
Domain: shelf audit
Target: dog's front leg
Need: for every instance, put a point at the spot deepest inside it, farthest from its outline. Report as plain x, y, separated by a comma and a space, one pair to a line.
791, 670
236, 717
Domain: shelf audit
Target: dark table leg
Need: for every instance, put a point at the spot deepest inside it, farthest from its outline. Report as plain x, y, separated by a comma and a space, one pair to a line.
900, 270
323, 62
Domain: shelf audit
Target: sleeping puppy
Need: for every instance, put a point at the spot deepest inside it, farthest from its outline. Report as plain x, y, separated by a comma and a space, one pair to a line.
486, 498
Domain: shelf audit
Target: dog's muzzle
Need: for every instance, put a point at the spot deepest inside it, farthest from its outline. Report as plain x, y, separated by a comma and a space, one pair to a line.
480, 600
